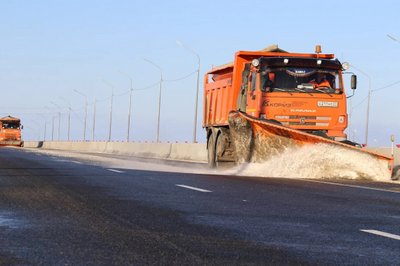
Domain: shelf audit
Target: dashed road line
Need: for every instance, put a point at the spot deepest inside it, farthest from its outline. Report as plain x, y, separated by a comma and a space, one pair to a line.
193, 188
115, 171
380, 233
352, 186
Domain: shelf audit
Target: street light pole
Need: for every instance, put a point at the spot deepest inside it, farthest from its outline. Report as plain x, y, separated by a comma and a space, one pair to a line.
368, 110
111, 107
59, 119
52, 124
69, 117
52, 128
368, 102
130, 105
393, 38
45, 127
86, 104
69, 122
59, 125
197, 89
94, 118
159, 98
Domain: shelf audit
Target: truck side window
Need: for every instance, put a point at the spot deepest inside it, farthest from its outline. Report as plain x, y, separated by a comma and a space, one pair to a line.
242, 97
253, 81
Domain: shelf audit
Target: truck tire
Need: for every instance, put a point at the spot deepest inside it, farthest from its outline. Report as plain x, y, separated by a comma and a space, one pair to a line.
396, 173
218, 150
211, 156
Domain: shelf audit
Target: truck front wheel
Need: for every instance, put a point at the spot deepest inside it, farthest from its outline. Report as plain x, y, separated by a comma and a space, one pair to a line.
211, 156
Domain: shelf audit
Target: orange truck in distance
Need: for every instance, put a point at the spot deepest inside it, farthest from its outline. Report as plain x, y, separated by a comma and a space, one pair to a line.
268, 100
10, 131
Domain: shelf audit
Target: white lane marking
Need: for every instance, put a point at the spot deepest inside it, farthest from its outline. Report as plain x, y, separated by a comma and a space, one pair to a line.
68, 161
380, 233
116, 171
193, 188
352, 186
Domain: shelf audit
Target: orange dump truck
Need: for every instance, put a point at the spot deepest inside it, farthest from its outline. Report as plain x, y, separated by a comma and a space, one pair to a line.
268, 100
10, 131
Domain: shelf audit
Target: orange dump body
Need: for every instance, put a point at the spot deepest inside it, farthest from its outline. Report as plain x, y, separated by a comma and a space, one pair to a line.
10, 131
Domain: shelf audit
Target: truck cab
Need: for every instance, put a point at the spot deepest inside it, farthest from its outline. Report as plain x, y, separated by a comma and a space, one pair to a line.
299, 92
10, 131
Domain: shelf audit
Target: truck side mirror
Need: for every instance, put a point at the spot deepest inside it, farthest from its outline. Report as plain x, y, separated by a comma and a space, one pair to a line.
353, 82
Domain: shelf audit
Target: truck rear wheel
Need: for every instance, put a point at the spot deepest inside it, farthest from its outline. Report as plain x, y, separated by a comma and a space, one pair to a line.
219, 149
396, 173
211, 156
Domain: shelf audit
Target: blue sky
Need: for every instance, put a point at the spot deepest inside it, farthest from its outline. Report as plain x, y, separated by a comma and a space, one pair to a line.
49, 49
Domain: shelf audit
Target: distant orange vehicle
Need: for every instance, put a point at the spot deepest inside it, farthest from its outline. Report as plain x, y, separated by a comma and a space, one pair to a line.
10, 131
268, 100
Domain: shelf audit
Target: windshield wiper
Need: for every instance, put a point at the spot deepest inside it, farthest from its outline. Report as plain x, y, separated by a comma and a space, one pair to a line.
298, 89
282, 90
323, 90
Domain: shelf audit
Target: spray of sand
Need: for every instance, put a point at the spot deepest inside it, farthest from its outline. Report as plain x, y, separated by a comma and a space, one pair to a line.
319, 161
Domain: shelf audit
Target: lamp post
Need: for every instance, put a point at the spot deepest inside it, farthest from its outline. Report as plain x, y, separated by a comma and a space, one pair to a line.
111, 107
45, 127
368, 102
130, 104
86, 104
159, 98
59, 120
69, 117
393, 38
197, 89
94, 118
52, 128
52, 124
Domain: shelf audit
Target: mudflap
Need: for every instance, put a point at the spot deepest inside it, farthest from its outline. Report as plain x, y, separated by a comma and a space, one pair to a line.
258, 140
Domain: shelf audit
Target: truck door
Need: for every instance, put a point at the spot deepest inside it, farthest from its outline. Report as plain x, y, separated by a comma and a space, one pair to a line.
242, 98
254, 96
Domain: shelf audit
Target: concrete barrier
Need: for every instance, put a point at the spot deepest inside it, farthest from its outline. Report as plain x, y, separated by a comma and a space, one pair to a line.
174, 151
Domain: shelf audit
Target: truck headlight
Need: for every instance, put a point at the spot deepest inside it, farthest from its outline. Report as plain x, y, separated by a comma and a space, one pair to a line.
255, 62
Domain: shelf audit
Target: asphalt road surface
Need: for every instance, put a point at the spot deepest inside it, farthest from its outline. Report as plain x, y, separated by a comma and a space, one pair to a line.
64, 211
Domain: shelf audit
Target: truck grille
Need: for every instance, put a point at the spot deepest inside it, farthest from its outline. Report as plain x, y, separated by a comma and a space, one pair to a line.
10, 136
297, 120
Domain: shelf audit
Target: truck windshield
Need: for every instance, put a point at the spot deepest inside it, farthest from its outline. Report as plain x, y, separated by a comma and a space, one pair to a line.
10, 125
297, 79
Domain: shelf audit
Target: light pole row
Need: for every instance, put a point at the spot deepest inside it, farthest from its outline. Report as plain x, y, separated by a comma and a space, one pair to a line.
130, 104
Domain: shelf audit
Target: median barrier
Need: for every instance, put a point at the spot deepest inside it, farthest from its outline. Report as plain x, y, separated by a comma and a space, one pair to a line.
148, 150
174, 151
188, 151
